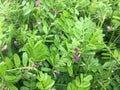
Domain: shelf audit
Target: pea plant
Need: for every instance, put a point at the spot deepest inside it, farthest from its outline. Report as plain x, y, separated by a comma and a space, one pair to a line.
59, 44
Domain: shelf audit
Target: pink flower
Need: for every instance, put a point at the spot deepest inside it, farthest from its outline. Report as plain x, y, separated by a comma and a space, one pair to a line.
4, 48
96, 16
76, 58
76, 50
109, 27
37, 3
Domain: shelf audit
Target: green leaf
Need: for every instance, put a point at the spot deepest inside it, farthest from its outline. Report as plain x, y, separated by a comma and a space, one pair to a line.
9, 63
11, 79
70, 68
23, 3
109, 64
45, 29
28, 8
80, 83
24, 88
2, 69
45, 69
116, 53
30, 84
51, 15
40, 51
17, 60
26, 83
37, 51
12, 86
24, 59
56, 40
45, 81
27, 12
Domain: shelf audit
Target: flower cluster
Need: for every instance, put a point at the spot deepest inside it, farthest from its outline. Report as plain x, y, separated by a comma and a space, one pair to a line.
76, 57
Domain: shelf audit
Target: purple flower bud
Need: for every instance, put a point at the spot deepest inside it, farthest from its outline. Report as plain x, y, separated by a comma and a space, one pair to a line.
109, 27
38, 64
54, 11
4, 48
57, 72
16, 43
37, 3
96, 16
76, 50
76, 58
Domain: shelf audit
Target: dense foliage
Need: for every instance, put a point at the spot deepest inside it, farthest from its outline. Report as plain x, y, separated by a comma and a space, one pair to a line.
59, 45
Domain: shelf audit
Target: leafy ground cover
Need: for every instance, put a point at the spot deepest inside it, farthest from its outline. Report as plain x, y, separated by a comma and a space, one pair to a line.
59, 45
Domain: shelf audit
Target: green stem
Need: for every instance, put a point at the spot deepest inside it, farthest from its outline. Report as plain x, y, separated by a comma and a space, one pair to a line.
112, 53
102, 85
103, 19
115, 40
21, 68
